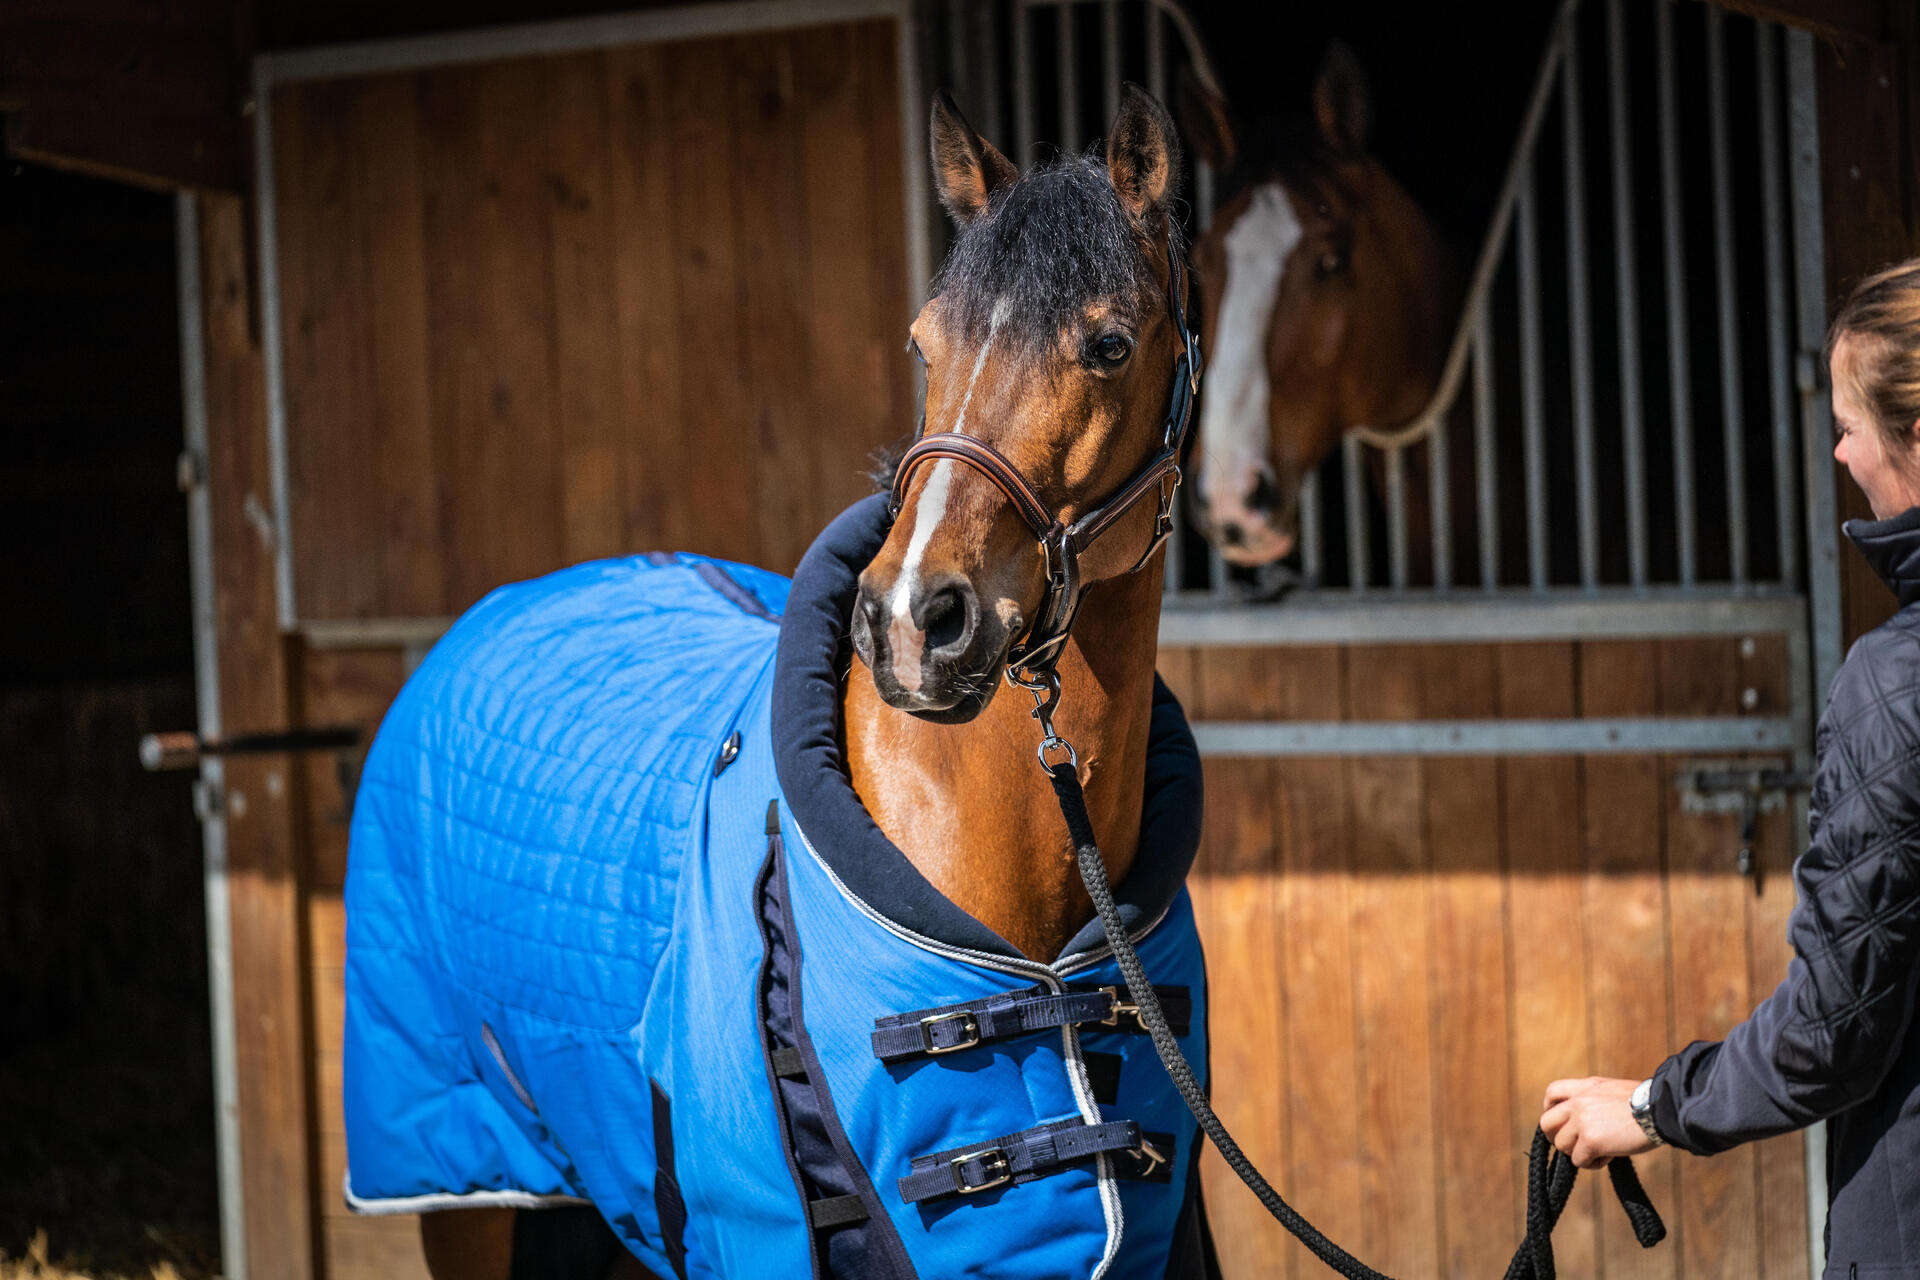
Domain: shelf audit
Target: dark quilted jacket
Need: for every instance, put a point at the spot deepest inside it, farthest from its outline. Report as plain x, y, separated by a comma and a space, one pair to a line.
1835, 1041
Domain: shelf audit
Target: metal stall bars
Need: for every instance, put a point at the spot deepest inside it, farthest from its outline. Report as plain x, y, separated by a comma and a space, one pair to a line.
1603, 545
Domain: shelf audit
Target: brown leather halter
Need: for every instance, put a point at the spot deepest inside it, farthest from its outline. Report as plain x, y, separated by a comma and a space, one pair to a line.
1030, 663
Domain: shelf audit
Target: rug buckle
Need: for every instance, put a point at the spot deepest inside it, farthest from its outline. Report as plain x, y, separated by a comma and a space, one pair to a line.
995, 1165
970, 1030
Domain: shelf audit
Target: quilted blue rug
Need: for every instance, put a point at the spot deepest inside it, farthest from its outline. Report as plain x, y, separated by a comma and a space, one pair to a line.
619, 931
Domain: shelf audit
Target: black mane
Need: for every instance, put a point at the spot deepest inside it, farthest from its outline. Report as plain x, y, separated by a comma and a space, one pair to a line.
1048, 245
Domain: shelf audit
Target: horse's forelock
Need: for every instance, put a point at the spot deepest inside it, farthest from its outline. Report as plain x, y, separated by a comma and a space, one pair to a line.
1053, 242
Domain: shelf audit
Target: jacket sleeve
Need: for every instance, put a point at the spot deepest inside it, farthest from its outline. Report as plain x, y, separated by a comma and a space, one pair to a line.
1828, 1034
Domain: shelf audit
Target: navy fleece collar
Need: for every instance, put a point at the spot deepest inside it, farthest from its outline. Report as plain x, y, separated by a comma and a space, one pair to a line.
806, 740
1892, 547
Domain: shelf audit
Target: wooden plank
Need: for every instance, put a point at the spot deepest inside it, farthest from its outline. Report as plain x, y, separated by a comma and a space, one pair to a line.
1625, 908
384, 124
1539, 796
788, 430
705, 196
1323, 1098
323, 306
1781, 1161
647, 292
846, 367
1389, 914
341, 687
263, 878
489, 309
578, 203
889, 368
1467, 975
387, 1247
1718, 1198
1236, 901
1178, 670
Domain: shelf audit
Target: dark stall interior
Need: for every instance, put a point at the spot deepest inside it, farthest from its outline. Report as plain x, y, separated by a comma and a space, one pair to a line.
105, 1076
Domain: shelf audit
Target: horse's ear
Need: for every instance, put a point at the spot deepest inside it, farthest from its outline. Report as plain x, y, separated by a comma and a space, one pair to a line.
1205, 121
966, 168
1342, 107
1143, 154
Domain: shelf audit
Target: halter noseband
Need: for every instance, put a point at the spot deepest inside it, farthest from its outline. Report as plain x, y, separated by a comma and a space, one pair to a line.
1061, 544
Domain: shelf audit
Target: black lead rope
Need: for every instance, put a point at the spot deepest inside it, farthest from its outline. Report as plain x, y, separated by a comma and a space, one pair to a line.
1550, 1174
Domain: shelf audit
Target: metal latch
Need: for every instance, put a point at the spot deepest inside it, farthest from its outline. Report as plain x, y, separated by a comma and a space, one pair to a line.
1741, 787
186, 749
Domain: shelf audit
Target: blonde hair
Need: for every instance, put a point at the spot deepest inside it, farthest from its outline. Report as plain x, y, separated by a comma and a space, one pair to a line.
1882, 317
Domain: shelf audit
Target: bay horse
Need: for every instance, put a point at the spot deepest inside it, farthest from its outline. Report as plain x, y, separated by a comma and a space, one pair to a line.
616, 807
1329, 299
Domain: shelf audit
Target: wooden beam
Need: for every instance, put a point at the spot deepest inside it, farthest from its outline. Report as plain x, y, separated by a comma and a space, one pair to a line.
265, 869
142, 94
1844, 20
147, 151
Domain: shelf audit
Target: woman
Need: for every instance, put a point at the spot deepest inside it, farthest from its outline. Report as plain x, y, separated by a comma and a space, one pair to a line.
1835, 1040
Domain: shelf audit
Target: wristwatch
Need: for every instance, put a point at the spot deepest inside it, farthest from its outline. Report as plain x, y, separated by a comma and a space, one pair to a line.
1642, 1105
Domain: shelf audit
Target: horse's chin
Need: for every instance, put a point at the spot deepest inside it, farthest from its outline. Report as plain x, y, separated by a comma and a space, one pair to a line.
954, 700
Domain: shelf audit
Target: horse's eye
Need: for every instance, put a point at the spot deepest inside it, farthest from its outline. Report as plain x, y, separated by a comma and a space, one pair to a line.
914, 346
1112, 349
1331, 263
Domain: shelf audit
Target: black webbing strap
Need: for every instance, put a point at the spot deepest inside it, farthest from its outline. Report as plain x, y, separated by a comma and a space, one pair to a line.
668, 1204
1550, 1176
1035, 1153
1006, 1014
836, 1211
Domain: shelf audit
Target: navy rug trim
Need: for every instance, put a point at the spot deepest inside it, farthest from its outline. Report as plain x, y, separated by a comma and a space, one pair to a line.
806, 734
827, 1173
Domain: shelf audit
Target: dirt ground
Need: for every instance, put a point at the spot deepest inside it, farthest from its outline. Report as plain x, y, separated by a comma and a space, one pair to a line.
108, 1127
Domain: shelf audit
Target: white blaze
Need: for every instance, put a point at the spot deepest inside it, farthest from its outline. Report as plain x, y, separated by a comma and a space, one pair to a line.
908, 641
1233, 416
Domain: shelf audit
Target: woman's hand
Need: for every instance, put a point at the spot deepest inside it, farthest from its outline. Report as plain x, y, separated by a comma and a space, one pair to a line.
1591, 1121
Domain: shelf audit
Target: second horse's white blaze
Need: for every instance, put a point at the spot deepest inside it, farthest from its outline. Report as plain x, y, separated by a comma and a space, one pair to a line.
1233, 417
907, 640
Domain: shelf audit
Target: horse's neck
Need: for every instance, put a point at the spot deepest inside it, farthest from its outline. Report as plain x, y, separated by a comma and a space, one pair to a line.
968, 804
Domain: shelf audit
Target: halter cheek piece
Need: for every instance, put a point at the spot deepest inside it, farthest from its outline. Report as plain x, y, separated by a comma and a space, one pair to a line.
1030, 663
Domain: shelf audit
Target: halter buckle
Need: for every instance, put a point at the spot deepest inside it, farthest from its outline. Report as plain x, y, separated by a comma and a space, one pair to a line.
1123, 1006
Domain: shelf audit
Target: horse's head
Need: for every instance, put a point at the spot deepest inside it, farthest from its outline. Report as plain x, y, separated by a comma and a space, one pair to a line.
1326, 293
1049, 340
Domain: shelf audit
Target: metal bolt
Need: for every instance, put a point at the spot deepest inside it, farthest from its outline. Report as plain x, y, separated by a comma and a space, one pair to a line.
1747, 646
1749, 699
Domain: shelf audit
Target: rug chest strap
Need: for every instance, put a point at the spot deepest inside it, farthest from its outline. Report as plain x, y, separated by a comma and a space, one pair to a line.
931, 1032
1035, 1153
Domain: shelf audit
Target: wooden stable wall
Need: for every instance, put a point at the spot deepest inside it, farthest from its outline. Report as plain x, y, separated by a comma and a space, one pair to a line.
1403, 953
549, 309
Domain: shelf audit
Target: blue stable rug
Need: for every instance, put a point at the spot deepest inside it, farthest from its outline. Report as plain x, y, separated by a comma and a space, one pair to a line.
619, 931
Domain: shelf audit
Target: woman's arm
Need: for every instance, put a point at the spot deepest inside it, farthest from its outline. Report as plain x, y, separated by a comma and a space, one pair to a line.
1827, 1035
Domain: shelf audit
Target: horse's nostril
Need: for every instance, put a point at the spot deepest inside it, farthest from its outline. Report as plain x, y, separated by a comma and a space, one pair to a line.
1232, 534
945, 619
1265, 497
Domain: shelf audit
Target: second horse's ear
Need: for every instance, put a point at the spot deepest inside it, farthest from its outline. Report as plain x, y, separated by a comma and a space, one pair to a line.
967, 170
1342, 106
1143, 155
1205, 121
